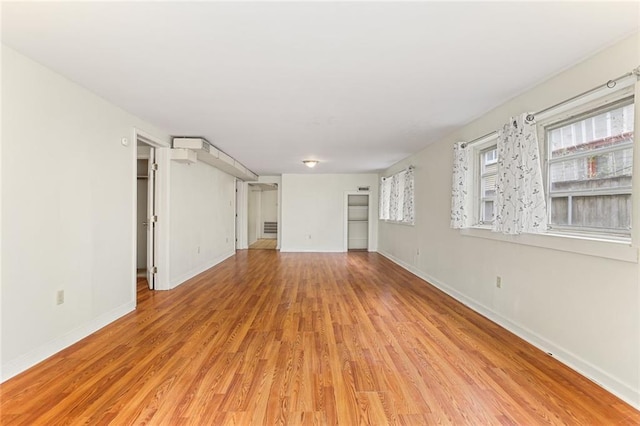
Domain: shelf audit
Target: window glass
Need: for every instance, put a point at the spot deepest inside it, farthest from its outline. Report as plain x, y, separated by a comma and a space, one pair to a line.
488, 177
590, 166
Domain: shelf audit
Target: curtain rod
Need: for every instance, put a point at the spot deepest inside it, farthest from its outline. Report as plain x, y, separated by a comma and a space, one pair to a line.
476, 140
410, 167
530, 117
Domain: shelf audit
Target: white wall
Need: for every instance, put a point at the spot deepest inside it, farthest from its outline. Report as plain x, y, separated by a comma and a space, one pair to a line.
313, 210
68, 197
268, 210
202, 219
584, 309
269, 207
68, 213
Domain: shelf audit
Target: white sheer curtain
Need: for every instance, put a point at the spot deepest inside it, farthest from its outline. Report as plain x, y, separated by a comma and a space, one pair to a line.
385, 195
396, 197
461, 200
520, 201
407, 200
395, 200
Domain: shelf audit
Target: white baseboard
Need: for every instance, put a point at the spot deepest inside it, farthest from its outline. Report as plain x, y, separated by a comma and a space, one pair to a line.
28, 360
588, 370
308, 250
200, 269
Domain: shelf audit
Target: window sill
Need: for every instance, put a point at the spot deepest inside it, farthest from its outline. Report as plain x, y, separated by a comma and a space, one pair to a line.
590, 246
394, 222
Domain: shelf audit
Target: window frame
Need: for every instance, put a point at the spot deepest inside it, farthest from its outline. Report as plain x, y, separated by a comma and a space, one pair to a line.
574, 114
479, 148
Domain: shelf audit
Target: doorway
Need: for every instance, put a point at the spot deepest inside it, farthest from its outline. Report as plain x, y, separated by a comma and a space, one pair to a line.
262, 216
146, 217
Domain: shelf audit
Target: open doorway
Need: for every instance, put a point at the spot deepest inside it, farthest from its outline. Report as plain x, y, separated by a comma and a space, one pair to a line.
358, 211
262, 216
146, 217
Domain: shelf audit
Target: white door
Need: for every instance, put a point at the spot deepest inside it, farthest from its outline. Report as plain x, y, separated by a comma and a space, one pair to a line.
151, 219
237, 223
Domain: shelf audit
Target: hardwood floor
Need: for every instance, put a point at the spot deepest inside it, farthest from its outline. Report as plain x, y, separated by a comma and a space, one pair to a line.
299, 338
264, 244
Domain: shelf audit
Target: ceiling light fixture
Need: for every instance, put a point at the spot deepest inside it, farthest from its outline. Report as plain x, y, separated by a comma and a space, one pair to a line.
310, 163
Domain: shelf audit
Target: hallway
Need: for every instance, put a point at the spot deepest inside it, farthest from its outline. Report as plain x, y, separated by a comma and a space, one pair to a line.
264, 244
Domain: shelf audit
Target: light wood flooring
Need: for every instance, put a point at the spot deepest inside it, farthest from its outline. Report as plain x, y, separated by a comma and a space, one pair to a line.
264, 244
299, 338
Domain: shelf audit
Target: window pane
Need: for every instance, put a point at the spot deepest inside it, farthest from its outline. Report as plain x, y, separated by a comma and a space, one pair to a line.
609, 170
560, 210
489, 161
487, 211
602, 211
603, 130
489, 186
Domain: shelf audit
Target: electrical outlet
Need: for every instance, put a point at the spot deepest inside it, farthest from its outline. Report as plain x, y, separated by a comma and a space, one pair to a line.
498, 281
198, 250
60, 297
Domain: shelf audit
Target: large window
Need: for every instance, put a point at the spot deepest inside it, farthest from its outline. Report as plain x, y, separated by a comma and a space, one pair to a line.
589, 169
396, 197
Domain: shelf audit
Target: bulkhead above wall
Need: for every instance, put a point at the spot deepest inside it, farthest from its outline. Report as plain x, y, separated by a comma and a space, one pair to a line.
190, 150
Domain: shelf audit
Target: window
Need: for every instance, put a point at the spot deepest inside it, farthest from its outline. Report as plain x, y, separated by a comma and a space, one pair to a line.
396, 197
483, 165
488, 175
589, 169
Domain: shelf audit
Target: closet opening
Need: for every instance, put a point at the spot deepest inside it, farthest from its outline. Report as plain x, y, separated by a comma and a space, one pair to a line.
357, 228
146, 217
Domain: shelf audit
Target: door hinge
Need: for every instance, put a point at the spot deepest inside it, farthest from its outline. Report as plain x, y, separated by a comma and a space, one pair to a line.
153, 219
153, 269
154, 166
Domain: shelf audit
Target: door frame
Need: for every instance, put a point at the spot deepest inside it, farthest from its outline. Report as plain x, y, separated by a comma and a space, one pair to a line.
162, 156
152, 247
258, 212
346, 219
241, 215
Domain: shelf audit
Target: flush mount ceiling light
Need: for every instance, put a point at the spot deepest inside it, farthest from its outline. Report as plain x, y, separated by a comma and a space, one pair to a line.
310, 163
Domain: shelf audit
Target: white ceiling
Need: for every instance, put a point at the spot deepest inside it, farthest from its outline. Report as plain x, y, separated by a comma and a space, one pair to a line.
356, 85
